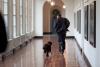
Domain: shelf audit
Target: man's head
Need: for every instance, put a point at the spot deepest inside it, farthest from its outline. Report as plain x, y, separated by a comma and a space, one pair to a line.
58, 16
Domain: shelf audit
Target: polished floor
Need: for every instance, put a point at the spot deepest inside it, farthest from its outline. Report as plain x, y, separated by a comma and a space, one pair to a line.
32, 55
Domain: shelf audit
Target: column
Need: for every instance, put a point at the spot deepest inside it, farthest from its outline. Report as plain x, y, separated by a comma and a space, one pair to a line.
18, 17
1, 5
10, 18
24, 17
29, 15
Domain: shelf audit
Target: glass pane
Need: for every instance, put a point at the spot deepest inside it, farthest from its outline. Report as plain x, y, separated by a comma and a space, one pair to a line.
20, 2
5, 0
14, 9
14, 26
21, 24
14, 1
5, 8
26, 25
14, 31
6, 20
14, 20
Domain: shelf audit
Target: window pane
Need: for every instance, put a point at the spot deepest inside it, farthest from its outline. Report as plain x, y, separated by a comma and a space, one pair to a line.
20, 2
14, 20
14, 9
5, 0
21, 24
6, 20
21, 20
26, 25
14, 26
5, 8
14, 2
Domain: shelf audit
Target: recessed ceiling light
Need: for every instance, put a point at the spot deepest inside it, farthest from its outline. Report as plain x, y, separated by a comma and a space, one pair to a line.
64, 6
52, 3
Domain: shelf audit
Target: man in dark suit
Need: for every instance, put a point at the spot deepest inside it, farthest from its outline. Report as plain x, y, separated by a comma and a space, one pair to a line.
61, 29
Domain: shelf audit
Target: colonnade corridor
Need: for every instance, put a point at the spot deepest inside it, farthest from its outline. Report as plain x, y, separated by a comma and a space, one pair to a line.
32, 55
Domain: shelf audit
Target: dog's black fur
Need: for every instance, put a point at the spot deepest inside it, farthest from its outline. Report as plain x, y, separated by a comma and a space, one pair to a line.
47, 48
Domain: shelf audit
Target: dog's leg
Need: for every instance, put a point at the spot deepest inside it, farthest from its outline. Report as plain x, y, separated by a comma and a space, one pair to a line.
47, 54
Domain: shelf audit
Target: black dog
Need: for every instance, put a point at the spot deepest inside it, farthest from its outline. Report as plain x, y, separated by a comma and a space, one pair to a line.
47, 48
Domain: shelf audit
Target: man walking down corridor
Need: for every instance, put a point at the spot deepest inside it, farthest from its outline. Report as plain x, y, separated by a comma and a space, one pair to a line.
61, 28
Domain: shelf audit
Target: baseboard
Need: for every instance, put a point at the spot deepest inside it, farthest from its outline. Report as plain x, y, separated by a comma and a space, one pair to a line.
78, 46
86, 60
84, 56
38, 37
70, 37
47, 33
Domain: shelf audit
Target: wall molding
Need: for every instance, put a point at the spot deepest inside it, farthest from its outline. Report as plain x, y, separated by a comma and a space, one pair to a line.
84, 56
70, 37
47, 33
78, 45
38, 37
86, 60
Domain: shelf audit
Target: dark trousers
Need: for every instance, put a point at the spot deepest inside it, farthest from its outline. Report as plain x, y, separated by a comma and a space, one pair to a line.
61, 40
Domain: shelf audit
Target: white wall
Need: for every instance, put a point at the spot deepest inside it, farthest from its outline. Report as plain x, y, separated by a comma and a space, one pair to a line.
70, 15
89, 50
98, 34
39, 17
